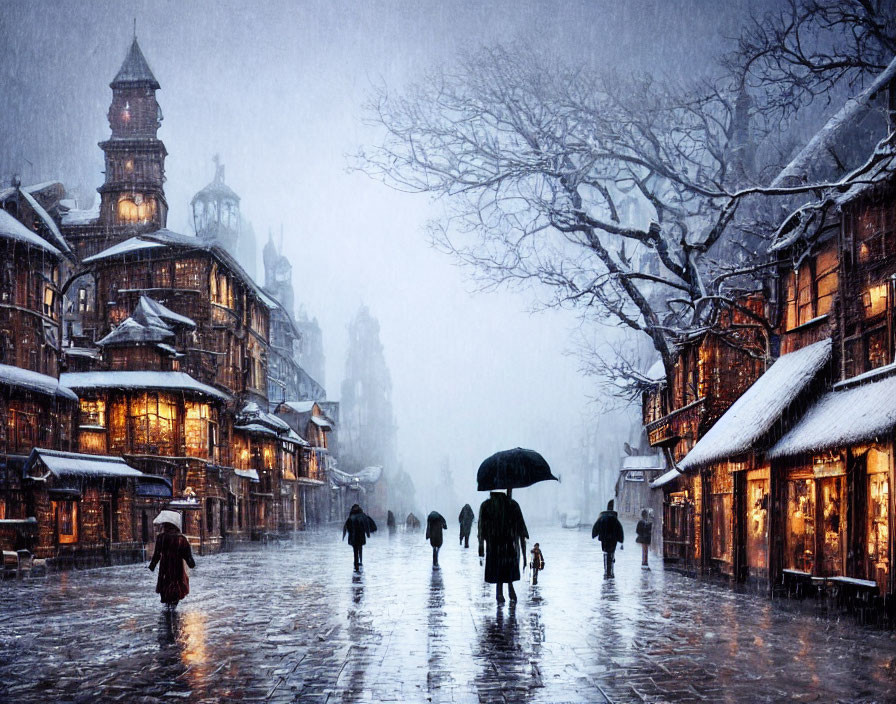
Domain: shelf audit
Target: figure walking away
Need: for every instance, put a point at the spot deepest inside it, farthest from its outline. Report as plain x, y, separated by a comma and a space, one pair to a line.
171, 552
608, 530
644, 530
435, 524
466, 519
536, 562
390, 521
357, 527
503, 531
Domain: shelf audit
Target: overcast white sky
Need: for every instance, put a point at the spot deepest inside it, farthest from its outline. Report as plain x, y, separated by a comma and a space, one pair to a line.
276, 88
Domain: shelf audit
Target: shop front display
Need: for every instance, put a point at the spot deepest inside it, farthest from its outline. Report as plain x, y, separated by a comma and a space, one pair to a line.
757, 502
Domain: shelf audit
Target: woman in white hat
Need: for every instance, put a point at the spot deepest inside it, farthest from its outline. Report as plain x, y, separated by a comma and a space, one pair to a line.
172, 551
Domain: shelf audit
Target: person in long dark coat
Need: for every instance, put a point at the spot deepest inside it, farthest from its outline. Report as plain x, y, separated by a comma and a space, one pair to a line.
435, 524
390, 521
412, 522
171, 552
466, 519
608, 530
357, 527
644, 529
503, 531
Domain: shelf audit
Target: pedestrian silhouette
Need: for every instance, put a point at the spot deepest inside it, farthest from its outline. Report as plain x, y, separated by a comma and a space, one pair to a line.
435, 524
466, 519
536, 562
390, 521
644, 529
171, 552
608, 530
412, 522
503, 532
358, 528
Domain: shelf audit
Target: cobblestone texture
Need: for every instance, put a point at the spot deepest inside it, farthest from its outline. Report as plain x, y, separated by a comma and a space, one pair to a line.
293, 623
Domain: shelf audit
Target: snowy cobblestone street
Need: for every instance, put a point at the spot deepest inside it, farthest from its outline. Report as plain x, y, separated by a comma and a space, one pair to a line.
293, 623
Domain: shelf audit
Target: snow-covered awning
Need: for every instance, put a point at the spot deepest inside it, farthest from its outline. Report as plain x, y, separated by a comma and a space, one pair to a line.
760, 407
664, 479
247, 474
32, 381
134, 244
842, 417
655, 461
368, 475
169, 381
67, 464
150, 485
299, 406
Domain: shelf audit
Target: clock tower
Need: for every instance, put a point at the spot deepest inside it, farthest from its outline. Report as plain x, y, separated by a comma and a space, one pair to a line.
133, 198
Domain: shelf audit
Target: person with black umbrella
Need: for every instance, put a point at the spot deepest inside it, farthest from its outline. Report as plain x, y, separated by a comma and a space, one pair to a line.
502, 529
435, 524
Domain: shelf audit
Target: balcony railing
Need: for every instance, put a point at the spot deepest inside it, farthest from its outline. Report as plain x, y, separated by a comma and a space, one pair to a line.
668, 428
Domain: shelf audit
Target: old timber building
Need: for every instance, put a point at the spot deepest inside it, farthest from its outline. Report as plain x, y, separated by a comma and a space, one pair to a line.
140, 368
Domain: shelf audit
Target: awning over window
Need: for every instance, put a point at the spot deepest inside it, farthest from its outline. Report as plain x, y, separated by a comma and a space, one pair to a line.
247, 474
842, 417
664, 479
760, 407
73, 464
154, 487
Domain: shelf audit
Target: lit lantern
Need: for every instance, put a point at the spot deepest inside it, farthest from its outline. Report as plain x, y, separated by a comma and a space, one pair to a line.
126, 113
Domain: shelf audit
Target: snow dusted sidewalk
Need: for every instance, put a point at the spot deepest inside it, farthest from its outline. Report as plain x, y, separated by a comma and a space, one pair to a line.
293, 623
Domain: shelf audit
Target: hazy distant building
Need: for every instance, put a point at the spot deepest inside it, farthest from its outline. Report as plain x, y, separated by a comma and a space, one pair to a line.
287, 379
311, 356
217, 218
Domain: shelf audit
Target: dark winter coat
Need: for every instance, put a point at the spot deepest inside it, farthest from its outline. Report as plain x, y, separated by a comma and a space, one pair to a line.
608, 530
435, 524
466, 519
171, 552
390, 519
412, 522
503, 530
644, 530
357, 526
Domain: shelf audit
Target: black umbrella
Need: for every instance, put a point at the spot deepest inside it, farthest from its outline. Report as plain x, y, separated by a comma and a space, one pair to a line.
513, 469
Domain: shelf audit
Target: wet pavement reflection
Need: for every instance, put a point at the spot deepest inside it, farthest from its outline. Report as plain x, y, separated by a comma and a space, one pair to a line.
293, 622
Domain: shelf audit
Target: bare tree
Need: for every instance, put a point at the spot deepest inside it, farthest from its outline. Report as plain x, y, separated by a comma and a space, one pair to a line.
808, 48
610, 193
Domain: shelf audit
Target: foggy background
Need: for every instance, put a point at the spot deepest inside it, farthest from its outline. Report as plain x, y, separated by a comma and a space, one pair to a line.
277, 90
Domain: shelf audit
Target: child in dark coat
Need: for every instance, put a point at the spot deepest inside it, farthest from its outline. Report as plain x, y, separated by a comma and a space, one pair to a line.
536, 562
644, 530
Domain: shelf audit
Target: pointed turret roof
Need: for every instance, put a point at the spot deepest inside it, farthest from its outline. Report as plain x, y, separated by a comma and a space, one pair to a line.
134, 69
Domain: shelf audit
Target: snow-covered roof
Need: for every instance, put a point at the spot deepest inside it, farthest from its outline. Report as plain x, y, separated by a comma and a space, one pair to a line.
63, 464
842, 417
880, 168
820, 146
664, 479
247, 474
82, 217
169, 238
58, 239
173, 381
759, 408
368, 475
149, 307
293, 436
33, 381
322, 422
134, 244
129, 331
134, 69
14, 230
300, 406
656, 461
